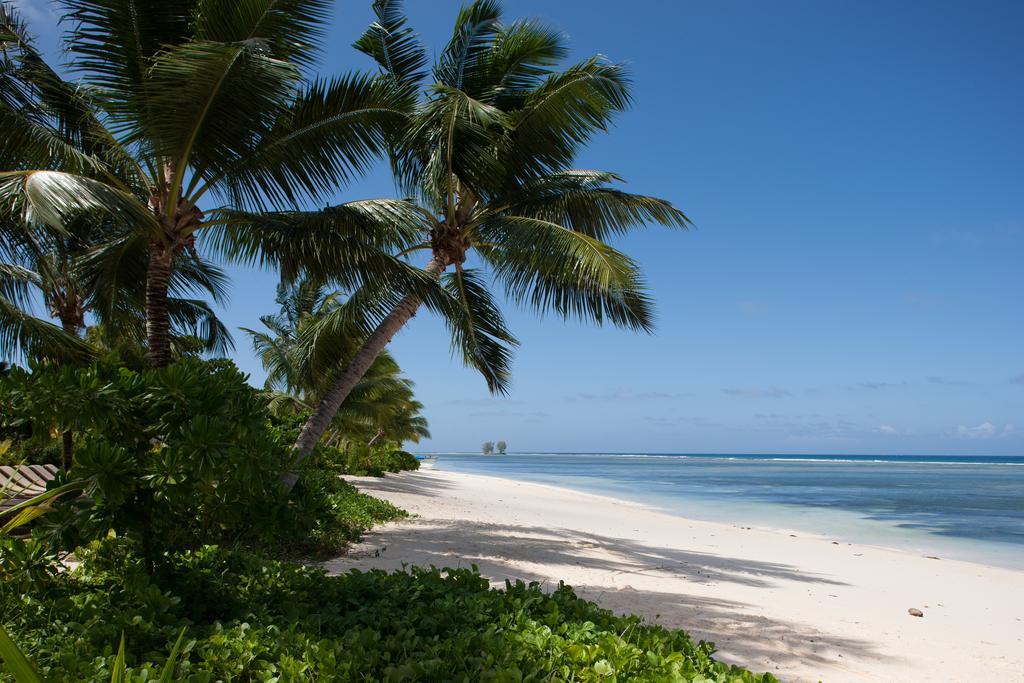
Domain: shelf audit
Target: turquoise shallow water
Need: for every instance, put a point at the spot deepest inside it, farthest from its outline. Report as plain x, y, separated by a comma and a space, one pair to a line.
956, 507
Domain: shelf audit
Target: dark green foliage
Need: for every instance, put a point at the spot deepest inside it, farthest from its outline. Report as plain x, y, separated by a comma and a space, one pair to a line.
253, 619
174, 457
363, 460
178, 458
357, 459
330, 513
18, 450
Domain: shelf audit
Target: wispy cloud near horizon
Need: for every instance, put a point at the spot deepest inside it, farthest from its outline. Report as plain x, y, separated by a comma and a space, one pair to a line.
626, 395
757, 392
986, 430
874, 386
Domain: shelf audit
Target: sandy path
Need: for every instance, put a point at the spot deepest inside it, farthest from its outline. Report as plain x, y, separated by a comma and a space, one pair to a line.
802, 607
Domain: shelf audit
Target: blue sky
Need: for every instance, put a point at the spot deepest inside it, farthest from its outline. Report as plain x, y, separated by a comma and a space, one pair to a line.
854, 283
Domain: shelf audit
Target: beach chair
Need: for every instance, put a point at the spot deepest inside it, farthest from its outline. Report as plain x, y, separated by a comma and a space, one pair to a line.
18, 484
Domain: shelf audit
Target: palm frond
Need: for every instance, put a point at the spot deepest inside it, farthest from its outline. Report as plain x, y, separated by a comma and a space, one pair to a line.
113, 43
450, 140
209, 101
563, 114
478, 330
195, 318
349, 244
475, 28
395, 47
192, 273
55, 199
27, 142
292, 29
584, 202
552, 268
332, 131
24, 335
521, 57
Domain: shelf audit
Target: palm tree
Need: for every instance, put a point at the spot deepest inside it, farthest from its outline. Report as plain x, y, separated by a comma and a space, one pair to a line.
51, 264
502, 447
487, 155
487, 448
189, 102
55, 265
304, 346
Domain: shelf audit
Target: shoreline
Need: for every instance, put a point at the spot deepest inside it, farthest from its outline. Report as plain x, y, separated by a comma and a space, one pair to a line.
769, 528
802, 606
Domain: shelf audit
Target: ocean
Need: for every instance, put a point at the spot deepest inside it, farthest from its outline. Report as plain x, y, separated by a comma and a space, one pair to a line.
957, 507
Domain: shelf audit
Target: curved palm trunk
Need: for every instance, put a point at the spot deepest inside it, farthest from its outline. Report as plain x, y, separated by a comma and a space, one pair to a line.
343, 384
158, 324
376, 437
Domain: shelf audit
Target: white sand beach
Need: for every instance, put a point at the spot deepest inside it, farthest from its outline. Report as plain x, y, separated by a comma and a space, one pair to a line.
805, 608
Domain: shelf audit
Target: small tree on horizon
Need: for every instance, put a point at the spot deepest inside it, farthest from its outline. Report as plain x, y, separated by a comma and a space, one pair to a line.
502, 447
488, 448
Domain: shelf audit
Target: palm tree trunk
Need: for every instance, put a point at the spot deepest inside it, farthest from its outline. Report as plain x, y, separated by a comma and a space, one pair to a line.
158, 324
343, 384
376, 437
67, 443
69, 318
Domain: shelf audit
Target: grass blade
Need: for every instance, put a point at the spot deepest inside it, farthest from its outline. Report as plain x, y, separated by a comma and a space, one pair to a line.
16, 662
167, 675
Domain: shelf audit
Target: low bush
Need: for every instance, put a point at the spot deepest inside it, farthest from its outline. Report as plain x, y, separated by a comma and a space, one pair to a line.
329, 514
252, 619
363, 460
178, 458
174, 458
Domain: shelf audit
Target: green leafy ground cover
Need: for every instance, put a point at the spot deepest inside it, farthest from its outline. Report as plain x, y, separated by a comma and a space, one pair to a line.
252, 619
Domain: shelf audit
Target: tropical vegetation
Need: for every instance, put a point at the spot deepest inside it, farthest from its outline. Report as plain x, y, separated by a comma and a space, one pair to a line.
486, 153
165, 547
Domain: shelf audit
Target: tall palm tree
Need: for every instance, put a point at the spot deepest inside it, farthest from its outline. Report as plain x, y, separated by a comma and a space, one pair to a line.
190, 102
51, 265
487, 155
56, 265
304, 347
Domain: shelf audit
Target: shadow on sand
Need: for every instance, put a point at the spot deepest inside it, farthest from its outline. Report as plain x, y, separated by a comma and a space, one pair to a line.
742, 635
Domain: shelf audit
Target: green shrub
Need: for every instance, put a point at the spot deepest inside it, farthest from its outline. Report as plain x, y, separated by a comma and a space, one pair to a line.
329, 513
175, 457
364, 460
254, 619
399, 461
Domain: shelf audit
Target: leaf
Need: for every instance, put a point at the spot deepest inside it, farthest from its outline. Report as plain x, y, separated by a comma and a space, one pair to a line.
42, 501
475, 28
117, 672
16, 662
479, 333
331, 131
551, 267
395, 46
55, 199
167, 675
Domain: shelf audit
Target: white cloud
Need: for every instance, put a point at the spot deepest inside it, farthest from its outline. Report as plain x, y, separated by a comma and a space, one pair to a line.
887, 429
986, 430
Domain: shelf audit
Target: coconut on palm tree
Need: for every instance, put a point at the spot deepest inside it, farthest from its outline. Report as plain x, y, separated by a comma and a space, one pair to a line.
189, 115
487, 156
